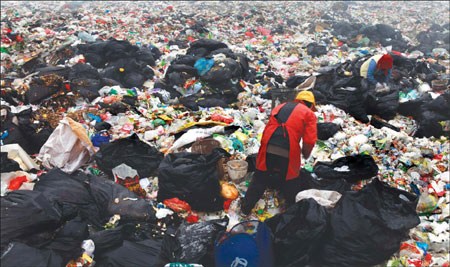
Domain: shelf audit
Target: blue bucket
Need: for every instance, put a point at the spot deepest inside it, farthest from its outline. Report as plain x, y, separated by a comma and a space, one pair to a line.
248, 244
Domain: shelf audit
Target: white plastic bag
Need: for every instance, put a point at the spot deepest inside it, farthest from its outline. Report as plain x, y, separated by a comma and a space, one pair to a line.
123, 171
326, 198
67, 148
192, 135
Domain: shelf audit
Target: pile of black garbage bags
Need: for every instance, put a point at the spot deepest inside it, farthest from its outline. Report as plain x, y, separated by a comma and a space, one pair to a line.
47, 226
352, 34
434, 37
342, 86
217, 69
364, 228
50, 223
20, 128
111, 62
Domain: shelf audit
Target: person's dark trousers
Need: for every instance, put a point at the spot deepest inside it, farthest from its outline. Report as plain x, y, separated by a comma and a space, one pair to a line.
274, 177
290, 189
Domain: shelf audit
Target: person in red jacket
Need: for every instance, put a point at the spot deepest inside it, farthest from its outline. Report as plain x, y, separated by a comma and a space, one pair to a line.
279, 157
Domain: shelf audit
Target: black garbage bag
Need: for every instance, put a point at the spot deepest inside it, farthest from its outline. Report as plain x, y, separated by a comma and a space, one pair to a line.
298, 232
108, 239
223, 71
43, 87
209, 44
367, 226
88, 88
345, 29
214, 101
310, 180
294, 81
185, 60
404, 63
112, 198
133, 152
198, 52
131, 72
130, 100
31, 65
137, 254
388, 31
72, 190
180, 43
114, 108
53, 70
145, 55
174, 78
350, 100
134, 79
192, 178
384, 105
9, 165
226, 51
12, 97
377, 123
439, 105
413, 107
25, 212
316, 50
244, 62
353, 168
35, 134
83, 71
429, 125
110, 82
182, 68
116, 49
193, 102
96, 60
18, 254
270, 74
346, 93
431, 114
100, 126
15, 136
326, 130
68, 239
193, 243
155, 52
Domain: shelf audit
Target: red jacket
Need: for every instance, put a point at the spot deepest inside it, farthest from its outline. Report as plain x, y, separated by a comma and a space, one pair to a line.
301, 124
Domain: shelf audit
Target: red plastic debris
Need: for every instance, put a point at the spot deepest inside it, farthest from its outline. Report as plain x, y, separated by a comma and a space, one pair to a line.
177, 205
17, 182
192, 218
226, 204
221, 118
249, 34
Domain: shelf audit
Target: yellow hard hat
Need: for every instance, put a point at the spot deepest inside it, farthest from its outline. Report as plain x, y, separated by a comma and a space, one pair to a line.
307, 96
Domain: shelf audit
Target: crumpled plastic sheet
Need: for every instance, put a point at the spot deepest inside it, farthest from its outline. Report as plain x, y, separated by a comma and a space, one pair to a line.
68, 148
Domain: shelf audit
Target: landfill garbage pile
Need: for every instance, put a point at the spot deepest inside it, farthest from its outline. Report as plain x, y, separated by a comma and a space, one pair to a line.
129, 133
